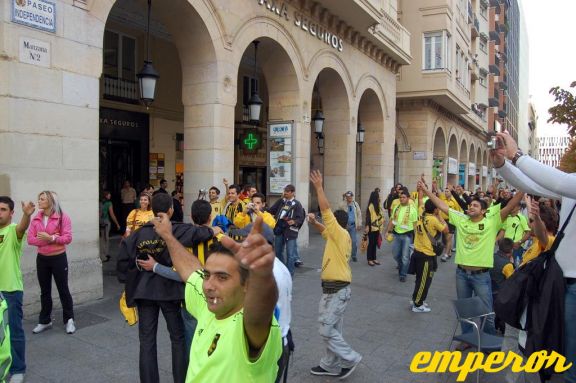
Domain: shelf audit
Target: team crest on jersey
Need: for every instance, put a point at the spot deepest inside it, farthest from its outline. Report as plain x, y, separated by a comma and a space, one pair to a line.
481, 226
1, 238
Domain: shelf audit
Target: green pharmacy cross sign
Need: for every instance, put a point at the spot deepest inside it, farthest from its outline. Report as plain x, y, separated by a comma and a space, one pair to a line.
251, 141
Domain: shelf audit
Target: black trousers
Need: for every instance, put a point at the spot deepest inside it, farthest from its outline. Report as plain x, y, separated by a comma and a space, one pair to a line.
424, 268
57, 266
148, 312
372, 244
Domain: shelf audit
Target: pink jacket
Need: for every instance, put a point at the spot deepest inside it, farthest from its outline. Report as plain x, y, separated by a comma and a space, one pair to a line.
61, 229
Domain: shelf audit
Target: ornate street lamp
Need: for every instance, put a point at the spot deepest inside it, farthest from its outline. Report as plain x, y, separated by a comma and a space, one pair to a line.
147, 76
360, 133
255, 102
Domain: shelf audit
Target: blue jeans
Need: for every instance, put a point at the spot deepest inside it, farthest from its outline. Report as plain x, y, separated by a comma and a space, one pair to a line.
352, 231
291, 251
570, 335
17, 338
480, 285
339, 354
401, 251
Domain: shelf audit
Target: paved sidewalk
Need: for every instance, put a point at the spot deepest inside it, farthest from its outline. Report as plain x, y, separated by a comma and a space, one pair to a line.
378, 323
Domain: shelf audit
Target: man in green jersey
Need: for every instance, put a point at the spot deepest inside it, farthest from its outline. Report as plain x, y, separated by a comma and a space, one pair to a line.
476, 233
11, 285
237, 338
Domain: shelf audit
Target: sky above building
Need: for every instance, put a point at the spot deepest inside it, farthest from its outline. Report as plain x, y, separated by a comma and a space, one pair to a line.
550, 27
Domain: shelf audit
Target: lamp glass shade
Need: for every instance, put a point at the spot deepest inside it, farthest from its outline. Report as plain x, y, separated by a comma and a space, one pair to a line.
360, 134
147, 78
318, 121
255, 105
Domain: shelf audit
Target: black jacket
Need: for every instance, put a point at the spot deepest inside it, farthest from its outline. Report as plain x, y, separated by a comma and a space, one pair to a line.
295, 212
178, 215
141, 284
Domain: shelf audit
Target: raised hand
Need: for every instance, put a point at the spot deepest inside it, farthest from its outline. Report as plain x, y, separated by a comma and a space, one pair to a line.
28, 208
316, 178
254, 253
162, 225
510, 147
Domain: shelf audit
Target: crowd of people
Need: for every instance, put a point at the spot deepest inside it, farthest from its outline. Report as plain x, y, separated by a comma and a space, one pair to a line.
224, 282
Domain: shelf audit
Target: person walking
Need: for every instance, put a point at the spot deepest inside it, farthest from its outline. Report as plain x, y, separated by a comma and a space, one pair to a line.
106, 215
51, 231
289, 215
350, 206
11, 285
339, 359
374, 225
404, 216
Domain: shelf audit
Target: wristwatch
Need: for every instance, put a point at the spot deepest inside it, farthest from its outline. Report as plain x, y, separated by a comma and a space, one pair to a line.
516, 157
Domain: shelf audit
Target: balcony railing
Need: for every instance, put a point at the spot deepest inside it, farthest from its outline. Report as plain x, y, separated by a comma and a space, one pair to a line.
390, 31
120, 89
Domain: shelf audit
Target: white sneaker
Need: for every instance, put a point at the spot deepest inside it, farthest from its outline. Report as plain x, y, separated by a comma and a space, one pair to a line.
70, 328
421, 309
423, 303
42, 327
444, 257
16, 378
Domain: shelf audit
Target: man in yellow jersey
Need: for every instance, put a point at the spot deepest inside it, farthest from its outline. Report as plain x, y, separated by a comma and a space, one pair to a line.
340, 359
233, 299
254, 209
450, 200
215, 203
401, 224
424, 259
232, 205
476, 236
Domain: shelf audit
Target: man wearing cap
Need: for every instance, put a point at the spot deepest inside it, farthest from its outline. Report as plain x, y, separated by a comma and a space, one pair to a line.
350, 206
289, 215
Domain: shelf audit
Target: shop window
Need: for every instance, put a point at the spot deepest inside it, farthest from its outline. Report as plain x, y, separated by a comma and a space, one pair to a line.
437, 50
119, 67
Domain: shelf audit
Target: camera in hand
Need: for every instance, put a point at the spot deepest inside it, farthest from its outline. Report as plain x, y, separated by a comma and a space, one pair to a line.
492, 141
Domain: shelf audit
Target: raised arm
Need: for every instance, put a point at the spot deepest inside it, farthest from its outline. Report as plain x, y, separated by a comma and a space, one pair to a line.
27, 211
256, 255
312, 220
539, 227
316, 180
514, 201
441, 205
184, 264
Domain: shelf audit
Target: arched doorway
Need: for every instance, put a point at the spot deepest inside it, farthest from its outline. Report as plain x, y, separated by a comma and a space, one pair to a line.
263, 157
439, 154
472, 169
463, 165
371, 170
452, 166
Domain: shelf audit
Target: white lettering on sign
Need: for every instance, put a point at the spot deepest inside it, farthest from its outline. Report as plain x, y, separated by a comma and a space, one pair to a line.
39, 14
34, 52
305, 24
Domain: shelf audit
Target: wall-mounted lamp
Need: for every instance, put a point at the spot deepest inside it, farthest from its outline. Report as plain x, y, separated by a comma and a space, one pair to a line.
320, 142
255, 102
360, 133
148, 76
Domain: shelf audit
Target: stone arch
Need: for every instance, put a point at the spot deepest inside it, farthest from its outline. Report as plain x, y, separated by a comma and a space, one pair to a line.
439, 154
369, 82
339, 138
371, 170
463, 163
452, 174
326, 58
472, 160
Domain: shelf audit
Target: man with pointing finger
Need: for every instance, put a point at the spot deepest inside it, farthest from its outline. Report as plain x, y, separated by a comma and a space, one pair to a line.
233, 299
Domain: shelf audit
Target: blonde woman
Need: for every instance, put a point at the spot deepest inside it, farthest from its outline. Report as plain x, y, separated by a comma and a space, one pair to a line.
51, 231
138, 217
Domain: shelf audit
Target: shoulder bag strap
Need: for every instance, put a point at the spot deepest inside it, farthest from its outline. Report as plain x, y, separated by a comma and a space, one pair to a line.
430, 237
560, 234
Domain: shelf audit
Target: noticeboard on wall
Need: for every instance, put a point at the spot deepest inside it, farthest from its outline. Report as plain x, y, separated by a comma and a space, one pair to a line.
156, 168
280, 156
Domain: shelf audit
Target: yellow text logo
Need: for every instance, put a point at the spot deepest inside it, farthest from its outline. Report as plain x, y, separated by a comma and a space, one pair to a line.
452, 361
